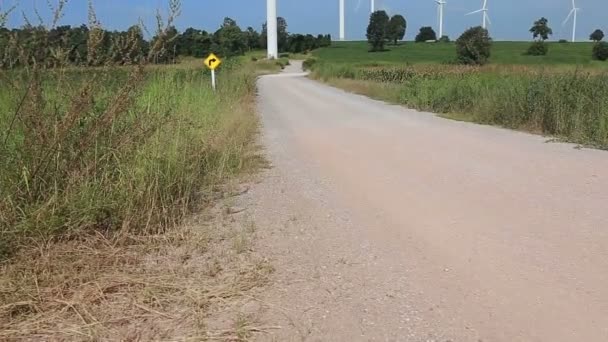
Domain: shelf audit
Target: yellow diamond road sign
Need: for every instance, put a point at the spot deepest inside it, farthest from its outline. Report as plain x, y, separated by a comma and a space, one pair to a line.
212, 62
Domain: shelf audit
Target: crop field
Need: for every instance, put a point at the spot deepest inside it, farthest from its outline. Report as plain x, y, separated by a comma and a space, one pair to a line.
560, 54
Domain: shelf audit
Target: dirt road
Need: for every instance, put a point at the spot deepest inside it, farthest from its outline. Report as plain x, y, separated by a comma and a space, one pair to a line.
386, 224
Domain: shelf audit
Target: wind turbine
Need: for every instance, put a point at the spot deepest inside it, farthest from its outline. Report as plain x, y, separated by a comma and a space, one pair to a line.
572, 14
271, 29
484, 10
342, 34
440, 4
372, 6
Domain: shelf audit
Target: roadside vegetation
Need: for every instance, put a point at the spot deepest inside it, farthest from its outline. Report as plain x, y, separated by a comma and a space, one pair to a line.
571, 104
117, 162
114, 148
557, 89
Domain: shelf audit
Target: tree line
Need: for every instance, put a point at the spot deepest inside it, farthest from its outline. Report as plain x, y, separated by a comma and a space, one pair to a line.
541, 31
72, 44
473, 46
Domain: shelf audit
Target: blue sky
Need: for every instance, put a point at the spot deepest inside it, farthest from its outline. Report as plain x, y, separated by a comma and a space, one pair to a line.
510, 18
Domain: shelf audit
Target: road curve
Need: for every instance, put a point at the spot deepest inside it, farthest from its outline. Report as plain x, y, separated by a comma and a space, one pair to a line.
387, 224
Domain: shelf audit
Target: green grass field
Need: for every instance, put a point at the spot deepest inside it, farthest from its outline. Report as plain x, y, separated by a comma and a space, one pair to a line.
560, 54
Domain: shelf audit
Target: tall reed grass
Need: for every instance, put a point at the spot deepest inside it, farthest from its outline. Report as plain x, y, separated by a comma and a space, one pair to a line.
116, 149
571, 104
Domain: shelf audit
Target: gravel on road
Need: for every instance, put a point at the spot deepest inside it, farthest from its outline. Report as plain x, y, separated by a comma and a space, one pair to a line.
388, 224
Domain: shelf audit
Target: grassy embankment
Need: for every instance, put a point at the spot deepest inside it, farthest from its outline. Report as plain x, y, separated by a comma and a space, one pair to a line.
564, 94
98, 169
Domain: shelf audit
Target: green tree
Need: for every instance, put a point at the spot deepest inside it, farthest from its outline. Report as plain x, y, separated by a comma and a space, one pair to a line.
377, 30
228, 22
426, 33
187, 40
253, 38
229, 39
597, 35
78, 41
297, 43
396, 28
194, 42
264, 37
202, 45
541, 29
282, 35
324, 40
473, 46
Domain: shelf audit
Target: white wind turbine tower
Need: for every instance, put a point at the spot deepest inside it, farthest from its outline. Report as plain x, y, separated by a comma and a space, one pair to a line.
484, 10
342, 30
372, 6
440, 4
572, 14
271, 29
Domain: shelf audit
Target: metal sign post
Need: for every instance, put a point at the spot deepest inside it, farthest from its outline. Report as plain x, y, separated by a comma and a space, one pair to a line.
213, 79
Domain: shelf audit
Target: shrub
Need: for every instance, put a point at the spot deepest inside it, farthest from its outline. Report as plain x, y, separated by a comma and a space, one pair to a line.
426, 33
600, 51
284, 55
309, 63
473, 46
254, 59
444, 39
538, 48
562, 41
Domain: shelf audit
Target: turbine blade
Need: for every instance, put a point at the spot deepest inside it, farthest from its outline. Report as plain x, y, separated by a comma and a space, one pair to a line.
488, 18
568, 17
474, 12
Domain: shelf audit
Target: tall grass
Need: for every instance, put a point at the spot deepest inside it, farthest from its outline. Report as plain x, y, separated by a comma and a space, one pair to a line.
564, 103
98, 168
116, 149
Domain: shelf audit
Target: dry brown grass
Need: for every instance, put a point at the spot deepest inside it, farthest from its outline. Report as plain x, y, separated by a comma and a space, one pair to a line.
133, 288
144, 275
